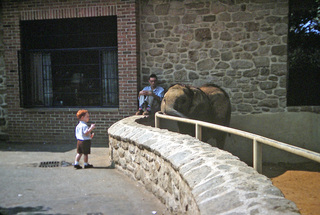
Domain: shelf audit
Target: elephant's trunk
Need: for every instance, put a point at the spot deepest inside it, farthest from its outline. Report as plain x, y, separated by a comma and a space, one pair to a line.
173, 112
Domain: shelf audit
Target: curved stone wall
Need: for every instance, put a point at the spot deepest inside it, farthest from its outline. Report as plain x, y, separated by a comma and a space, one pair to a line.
189, 176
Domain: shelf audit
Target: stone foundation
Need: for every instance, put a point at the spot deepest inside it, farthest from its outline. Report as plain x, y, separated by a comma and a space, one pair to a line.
189, 176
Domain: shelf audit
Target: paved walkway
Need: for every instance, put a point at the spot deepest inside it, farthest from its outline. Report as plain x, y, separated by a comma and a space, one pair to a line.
26, 188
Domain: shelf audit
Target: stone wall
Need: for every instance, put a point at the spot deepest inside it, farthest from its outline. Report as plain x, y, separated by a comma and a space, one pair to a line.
189, 176
240, 45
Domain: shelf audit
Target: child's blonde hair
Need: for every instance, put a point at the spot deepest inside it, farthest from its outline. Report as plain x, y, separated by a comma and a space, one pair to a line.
81, 113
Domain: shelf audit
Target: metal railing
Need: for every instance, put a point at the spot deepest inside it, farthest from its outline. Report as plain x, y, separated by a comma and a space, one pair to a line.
257, 140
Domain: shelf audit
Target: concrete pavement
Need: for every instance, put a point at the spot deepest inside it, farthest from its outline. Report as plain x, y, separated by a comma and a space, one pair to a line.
26, 188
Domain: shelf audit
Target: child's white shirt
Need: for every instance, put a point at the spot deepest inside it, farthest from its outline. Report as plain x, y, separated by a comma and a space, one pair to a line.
81, 129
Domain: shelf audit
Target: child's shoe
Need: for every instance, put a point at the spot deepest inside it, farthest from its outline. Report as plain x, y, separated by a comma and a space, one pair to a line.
88, 166
77, 166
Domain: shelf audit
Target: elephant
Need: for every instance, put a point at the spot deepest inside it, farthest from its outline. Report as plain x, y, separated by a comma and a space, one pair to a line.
209, 103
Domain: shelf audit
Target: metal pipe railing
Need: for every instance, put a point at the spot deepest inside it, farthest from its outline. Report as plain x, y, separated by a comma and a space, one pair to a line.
257, 139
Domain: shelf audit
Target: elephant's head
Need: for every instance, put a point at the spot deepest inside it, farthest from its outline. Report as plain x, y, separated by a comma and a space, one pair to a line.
184, 101
177, 100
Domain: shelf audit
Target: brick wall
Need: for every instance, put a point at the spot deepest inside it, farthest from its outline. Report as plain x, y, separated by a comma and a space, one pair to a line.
3, 110
57, 125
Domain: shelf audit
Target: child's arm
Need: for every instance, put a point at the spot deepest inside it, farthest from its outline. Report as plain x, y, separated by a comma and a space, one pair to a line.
88, 132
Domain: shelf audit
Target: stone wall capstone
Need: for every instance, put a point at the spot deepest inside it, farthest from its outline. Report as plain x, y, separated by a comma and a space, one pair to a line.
190, 176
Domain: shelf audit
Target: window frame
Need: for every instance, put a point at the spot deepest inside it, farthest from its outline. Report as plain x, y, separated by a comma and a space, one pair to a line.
105, 78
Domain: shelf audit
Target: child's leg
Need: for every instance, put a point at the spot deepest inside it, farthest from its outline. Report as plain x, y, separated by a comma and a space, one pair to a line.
85, 158
78, 156
86, 164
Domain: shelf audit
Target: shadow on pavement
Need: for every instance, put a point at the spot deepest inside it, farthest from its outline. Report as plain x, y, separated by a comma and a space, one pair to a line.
17, 210
43, 147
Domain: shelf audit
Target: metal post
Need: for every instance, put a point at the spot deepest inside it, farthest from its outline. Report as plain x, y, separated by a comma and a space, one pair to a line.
198, 131
257, 156
156, 121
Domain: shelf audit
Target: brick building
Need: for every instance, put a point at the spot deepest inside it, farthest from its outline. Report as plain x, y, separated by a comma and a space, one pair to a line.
48, 114
240, 45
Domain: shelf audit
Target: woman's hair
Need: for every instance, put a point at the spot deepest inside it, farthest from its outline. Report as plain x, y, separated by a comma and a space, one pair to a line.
81, 113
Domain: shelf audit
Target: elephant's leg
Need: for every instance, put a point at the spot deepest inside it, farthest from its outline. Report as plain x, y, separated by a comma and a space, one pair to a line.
220, 139
186, 128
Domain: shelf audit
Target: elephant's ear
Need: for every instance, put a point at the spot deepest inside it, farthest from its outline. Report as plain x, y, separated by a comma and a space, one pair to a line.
199, 105
189, 92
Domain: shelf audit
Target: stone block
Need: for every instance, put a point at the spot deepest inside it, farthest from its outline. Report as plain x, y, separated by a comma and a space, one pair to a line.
203, 34
171, 48
241, 64
261, 61
197, 175
148, 27
225, 36
251, 73
193, 56
155, 52
180, 75
204, 65
242, 16
222, 65
193, 76
226, 56
209, 18
279, 50
252, 26
281, 29
189, 19
271, 103
224, 17
244, 108
218, 7
250, 46
226, 202
267, 85
162, 9
162, 33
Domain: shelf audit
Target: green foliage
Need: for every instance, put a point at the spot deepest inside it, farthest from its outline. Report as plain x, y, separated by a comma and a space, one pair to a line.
304, 53
304, 34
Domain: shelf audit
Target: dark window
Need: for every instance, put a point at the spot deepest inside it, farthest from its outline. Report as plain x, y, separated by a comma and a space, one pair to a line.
69, 62
304, 53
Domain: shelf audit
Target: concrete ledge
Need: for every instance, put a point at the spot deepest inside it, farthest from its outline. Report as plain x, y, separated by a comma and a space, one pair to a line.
189, 176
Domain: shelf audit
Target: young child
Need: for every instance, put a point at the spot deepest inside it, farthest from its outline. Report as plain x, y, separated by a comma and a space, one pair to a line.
84, 136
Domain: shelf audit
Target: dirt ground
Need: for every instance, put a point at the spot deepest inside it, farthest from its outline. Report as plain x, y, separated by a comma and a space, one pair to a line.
299, 183
301, 187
